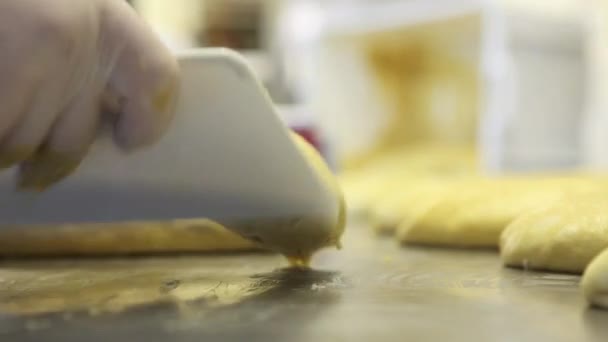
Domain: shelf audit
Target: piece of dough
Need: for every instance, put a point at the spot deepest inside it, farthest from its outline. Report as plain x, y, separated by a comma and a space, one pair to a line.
365, 186
595, 281
563, 237
407, 203
198, 235
474, 213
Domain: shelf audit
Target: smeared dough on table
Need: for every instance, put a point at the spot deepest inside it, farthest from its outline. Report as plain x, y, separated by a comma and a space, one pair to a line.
474, 213
595, 281
198, 235
99, 286
563, 237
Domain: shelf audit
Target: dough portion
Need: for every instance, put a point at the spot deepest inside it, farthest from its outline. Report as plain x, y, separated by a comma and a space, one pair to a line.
407, 203
373, 182
563, 237
198, 235
595, 281
474, 213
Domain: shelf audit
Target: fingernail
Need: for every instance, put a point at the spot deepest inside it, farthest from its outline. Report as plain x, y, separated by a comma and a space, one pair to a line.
45, 169
14, 155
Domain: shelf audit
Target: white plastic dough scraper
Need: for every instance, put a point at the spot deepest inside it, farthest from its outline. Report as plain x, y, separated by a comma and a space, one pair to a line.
227, 156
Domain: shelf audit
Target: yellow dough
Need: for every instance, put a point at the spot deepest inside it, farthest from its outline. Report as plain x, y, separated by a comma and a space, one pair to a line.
563, 237
367, 185
198, 235
295, 237
595, 281
475, 212
407, 203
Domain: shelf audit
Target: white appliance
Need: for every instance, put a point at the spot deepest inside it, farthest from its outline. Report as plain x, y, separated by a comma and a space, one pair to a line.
529, 60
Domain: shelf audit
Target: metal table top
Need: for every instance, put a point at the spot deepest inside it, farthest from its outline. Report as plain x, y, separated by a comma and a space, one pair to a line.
373, 289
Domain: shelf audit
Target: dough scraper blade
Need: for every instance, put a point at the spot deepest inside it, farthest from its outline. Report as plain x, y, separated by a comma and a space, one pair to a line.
227, 156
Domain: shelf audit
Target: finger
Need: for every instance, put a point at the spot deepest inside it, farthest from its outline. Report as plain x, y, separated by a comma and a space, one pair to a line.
144, 77
14, 97
65, 148
23, 141
62, 62
37, 118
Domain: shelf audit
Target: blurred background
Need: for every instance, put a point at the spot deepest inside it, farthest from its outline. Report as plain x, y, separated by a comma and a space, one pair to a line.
500, 86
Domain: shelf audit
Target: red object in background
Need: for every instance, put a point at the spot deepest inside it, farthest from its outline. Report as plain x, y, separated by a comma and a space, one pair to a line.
309, 134
312, 136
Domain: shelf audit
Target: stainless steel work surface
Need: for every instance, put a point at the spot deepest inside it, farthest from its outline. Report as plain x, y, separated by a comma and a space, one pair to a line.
372, 290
